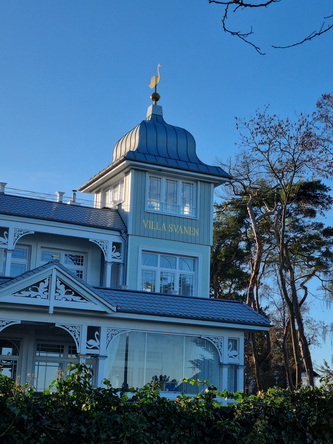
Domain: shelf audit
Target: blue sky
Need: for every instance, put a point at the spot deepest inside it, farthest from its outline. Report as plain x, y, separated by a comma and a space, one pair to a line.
74, 78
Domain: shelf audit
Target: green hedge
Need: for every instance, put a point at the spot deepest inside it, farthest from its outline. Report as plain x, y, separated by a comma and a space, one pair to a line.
78, 413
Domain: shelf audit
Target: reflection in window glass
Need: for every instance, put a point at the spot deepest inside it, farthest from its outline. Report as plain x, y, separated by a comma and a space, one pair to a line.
154, 193
171, 196
149, 259
232, 378
9, 354
20, 253
157, 276
148, 280
75, 262
168, 262
51, 361
135, 359
167, 284
19, 261
186, 264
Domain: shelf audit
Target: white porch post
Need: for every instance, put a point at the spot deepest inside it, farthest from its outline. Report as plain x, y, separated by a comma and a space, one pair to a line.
225, 376
108, 271
100, 370
8, 261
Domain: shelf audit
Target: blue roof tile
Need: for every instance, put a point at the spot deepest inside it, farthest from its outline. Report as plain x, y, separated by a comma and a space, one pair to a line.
186, 307
164, 305
61, 212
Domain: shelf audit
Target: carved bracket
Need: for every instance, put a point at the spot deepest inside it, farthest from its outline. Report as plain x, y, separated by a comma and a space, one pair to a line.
218, 343
75, 331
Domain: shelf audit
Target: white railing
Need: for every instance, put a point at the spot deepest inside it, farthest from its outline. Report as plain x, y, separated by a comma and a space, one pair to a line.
53, 197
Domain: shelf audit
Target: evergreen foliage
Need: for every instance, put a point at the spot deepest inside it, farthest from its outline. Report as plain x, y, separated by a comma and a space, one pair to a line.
76, 412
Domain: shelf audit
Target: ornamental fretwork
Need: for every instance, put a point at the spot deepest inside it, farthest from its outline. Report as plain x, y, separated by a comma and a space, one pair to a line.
6, 323
112, 333
74, 331
218, 343
103, 245
18, 233
36, 291
4, 238
64, 293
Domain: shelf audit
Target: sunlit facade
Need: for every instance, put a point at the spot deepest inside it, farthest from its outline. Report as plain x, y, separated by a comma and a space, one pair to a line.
122, 286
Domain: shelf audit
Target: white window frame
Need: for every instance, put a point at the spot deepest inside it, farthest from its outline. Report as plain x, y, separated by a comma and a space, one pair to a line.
142, 356
114, 195
25, 262
60, 255
159, 270
175, 205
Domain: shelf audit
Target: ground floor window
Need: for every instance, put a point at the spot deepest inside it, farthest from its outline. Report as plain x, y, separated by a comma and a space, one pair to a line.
166, 273
51, 361
9, 355
232, 378
138, 358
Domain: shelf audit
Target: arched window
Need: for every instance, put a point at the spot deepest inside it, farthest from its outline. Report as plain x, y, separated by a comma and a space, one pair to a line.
135, 359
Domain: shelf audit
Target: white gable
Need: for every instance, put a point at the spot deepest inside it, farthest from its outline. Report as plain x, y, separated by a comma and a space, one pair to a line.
52, 287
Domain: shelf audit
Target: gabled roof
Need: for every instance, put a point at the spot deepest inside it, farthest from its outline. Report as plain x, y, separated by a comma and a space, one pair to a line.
61, 212
52, 286
129, 301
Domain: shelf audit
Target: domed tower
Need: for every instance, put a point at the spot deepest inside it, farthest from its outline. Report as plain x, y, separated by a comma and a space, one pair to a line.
164, 193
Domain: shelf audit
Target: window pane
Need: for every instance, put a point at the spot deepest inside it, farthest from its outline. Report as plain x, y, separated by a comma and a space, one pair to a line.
186, 264
54, 350
167, 281
8, 368
232, 378
186, 284
48, 256
20, 253
187, 198
164, 360
148, 280
17, 269
9, 348
149, 259
74, 259
172, 274
168, 262
201, 362
45, 373
171, 196
137, 358
154, 193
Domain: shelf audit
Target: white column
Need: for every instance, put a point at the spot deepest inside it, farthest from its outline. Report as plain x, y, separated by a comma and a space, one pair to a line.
100, 370
9, 254
108, 271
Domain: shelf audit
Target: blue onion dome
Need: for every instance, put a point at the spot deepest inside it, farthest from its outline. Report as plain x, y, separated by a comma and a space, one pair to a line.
155, 141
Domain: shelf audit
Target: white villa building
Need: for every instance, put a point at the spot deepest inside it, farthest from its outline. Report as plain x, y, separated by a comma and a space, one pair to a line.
123, 285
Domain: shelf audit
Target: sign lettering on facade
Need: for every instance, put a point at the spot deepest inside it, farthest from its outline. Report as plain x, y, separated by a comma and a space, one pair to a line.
170, 228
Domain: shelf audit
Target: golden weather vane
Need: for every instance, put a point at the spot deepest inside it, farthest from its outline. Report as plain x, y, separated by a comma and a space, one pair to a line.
155, 97
155, 79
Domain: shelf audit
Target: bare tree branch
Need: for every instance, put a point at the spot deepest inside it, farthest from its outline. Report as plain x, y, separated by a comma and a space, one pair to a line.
311, 36
234, 5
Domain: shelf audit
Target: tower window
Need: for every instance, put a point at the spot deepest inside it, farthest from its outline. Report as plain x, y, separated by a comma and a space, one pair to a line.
168, 274
171, 196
